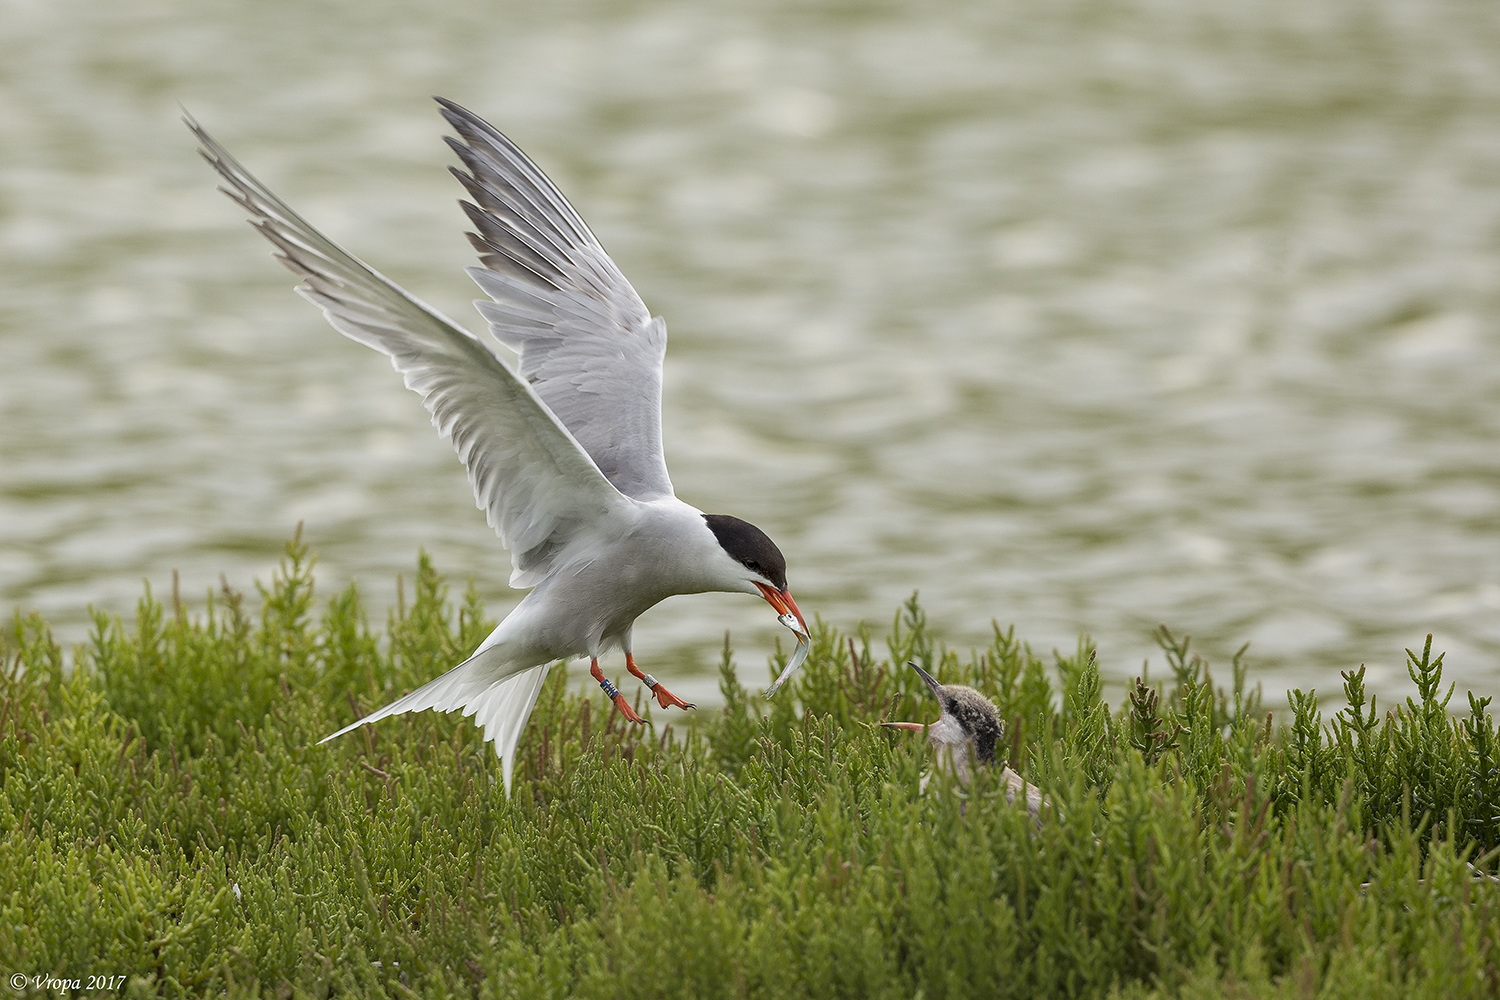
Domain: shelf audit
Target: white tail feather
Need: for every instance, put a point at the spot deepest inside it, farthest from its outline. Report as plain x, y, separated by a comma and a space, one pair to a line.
500, 706
502, 710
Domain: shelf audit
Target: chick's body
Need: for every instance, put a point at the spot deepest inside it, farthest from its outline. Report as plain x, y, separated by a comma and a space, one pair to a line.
967, 733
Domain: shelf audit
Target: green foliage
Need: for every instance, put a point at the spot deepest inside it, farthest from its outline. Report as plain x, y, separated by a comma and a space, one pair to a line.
167, 814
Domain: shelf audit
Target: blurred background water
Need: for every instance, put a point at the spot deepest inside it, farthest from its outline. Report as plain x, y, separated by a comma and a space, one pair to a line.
1081, 316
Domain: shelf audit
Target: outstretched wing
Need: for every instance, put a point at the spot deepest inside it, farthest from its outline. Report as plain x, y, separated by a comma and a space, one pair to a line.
538, 488
587, 344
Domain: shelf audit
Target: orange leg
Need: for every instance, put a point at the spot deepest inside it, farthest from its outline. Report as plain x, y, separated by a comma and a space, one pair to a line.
613, 692
664, 698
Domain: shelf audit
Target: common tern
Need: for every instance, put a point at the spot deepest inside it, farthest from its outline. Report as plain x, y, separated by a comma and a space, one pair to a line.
968, 728
564, 450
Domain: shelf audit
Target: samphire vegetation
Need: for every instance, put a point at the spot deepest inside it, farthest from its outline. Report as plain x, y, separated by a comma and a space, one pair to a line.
166, 815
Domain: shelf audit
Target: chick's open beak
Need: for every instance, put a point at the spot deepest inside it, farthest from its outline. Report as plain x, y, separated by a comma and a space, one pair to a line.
782, 601
931, 681
932, 685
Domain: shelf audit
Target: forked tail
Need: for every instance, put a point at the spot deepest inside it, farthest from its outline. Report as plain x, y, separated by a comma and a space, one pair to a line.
499, 706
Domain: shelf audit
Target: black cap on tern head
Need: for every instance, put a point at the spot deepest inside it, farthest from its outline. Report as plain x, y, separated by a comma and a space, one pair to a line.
748, 545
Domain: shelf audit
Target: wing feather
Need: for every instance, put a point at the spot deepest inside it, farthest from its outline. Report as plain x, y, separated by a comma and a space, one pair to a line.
587, 344
538, 486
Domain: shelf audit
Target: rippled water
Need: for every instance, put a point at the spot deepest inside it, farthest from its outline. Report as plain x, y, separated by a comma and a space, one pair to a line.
1081, 316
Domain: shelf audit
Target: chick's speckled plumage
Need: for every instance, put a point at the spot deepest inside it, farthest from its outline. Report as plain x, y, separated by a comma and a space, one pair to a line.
969, 727
976, 717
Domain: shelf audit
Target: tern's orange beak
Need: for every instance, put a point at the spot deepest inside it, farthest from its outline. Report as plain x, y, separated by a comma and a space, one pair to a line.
782, 601
915, 727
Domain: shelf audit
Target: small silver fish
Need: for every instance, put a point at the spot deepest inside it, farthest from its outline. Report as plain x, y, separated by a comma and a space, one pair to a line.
800, 656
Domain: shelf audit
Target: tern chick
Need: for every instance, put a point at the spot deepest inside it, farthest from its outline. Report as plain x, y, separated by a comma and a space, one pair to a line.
968, 728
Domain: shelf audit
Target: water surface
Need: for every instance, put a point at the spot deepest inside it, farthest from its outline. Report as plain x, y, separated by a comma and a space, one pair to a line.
1078, 316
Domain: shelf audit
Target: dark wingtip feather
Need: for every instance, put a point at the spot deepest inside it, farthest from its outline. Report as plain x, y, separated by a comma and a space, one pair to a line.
464, 121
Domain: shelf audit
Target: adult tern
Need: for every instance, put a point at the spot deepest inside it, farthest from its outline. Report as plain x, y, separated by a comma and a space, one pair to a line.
564, 451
